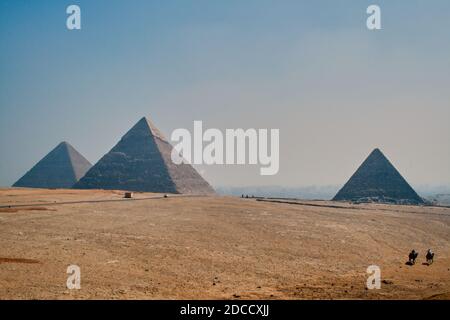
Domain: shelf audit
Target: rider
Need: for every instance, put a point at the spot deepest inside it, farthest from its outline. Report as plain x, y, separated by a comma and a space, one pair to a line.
412, 256
430, 254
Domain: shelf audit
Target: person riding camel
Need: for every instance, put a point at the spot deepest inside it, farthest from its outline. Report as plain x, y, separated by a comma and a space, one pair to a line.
430, 256
413, 256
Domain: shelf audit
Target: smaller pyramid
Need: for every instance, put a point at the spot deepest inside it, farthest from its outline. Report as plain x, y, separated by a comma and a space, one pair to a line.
60, 168
141, 161
377, 180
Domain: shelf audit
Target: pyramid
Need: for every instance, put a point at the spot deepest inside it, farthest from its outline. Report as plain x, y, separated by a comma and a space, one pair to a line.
376, 180
60, 168
141, 161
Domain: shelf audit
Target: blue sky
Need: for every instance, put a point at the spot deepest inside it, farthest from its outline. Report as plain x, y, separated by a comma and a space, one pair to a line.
310, 68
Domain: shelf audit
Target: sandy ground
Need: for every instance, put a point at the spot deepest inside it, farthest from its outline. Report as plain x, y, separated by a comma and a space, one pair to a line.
215, 247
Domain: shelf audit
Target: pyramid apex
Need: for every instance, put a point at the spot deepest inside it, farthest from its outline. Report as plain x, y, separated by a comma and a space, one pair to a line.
145, 120
67, 145
376, 150
64, 143
376, 153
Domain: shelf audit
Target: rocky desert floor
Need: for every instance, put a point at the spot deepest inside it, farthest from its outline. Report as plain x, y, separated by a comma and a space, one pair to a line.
152, 247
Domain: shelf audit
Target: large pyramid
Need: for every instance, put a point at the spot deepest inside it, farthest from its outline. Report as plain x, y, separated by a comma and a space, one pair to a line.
376, 180
60, 168
141, 161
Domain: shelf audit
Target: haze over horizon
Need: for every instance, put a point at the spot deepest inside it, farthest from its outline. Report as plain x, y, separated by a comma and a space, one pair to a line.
311, 69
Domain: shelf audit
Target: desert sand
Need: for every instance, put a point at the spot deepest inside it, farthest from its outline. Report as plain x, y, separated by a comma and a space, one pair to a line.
152, 247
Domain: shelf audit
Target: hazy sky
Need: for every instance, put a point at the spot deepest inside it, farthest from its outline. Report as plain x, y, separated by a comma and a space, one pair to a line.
310, 68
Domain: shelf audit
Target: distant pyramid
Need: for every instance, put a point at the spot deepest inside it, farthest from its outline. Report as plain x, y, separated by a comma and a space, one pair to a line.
61, 168
376, 180
141, 161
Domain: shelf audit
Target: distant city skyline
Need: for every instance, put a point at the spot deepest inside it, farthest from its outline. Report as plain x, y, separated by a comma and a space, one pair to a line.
311, 69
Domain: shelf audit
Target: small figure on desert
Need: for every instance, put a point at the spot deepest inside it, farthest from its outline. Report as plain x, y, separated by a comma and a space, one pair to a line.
430, 256
413, 256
